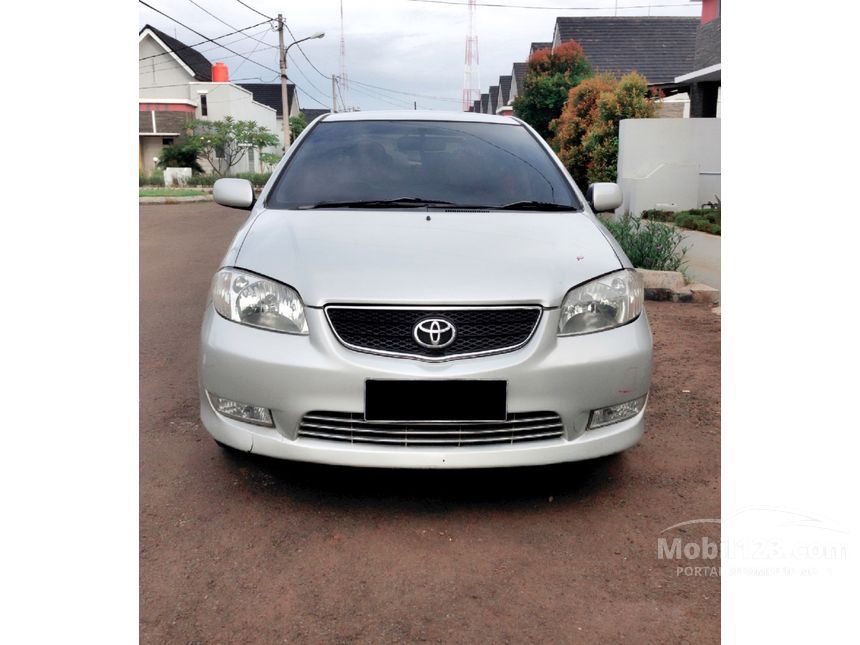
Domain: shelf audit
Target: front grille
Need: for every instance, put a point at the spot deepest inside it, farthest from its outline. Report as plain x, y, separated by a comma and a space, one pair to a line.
351, 427
479, 330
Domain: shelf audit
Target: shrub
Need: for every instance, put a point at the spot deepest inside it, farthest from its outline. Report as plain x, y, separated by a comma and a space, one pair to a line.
155, 179
576, 120
586, 132
649, 244
658, 215
259, 179
180, 155
629, 100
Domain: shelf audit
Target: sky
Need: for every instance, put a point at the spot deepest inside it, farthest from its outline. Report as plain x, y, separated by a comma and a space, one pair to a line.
415, 50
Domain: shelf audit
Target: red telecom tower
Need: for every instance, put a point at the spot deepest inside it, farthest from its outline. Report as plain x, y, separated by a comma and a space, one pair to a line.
472, 75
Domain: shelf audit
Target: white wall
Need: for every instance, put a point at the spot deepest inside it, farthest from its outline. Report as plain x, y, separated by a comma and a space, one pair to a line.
668, 161
162, 76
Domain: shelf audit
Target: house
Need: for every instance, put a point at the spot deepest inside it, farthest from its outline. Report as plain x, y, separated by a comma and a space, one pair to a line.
485, 103
477, 106
538, 46
176, 85
494, 98
703, 82
270, 94
518, 75
675, 164
659, 48
311, 113
504, 107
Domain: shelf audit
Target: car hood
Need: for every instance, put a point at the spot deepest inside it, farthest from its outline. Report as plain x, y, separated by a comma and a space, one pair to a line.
427, 257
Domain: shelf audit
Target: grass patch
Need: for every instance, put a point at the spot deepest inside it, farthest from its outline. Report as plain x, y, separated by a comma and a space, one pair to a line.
170, 192
696, 219
649, 244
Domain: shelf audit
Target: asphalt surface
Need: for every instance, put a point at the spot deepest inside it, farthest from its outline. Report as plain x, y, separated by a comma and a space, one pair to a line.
235, 548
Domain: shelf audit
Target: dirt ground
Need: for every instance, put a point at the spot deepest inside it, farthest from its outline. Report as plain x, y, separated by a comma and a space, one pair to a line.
238, 549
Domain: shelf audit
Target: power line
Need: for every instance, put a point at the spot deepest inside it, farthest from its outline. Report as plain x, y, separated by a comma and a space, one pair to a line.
205, 10
157, 67
532, 6
202, 42
420, 96
292, 35
254, 10
313, 98
258, 41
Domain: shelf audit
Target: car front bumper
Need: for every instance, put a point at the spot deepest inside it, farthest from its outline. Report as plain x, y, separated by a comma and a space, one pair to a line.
295, 375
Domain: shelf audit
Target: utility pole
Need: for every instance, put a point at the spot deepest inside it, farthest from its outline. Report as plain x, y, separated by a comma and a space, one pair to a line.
285, 94
334, 93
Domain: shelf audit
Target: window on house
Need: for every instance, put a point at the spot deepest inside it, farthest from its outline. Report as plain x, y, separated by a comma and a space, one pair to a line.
167, 141
250, 160
204, 108
219, 152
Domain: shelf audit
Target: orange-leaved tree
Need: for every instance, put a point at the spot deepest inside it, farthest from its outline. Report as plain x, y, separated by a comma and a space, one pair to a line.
587, 130
549, 76
576, 120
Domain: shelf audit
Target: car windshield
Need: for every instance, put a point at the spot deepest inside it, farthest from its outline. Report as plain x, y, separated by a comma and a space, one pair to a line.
417, 163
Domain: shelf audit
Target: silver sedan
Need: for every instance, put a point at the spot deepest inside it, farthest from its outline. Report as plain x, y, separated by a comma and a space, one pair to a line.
424, 290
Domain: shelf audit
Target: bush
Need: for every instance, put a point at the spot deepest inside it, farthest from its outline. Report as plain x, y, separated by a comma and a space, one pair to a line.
259, 179
700, 219
649, 244
586, 132
576, 120
180, 155
155, 179
696, 219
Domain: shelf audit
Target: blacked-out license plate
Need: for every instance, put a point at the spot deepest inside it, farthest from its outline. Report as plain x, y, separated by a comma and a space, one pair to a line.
460, 400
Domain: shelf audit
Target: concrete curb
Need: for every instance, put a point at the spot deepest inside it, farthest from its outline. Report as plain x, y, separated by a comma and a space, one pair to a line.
670, 285
174, 200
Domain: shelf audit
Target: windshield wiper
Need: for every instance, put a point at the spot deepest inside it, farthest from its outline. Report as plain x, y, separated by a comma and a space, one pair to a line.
414, 202
536, 206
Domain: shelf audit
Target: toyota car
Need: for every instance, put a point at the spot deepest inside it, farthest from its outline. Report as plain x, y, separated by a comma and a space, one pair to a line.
424, 290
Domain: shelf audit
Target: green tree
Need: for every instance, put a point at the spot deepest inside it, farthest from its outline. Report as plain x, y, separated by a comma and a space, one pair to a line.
549, 77
225, 143
297, 124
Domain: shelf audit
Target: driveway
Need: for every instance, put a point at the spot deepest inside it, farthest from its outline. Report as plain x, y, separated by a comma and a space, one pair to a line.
703, 256
240, 549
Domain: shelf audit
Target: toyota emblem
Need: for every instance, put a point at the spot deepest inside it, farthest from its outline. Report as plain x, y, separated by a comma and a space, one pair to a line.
434, 333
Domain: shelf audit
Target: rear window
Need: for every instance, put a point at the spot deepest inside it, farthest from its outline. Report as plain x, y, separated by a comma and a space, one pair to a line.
483, 164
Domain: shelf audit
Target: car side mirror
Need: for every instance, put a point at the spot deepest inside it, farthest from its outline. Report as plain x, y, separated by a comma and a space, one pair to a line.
604, 196
235, 193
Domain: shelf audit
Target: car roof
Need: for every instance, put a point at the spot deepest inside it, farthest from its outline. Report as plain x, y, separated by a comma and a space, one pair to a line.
419, 115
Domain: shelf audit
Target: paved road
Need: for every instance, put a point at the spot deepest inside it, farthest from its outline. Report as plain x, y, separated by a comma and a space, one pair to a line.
243, 549
703, 257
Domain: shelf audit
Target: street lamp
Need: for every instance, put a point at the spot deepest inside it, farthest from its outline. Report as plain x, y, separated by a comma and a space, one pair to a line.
285, 95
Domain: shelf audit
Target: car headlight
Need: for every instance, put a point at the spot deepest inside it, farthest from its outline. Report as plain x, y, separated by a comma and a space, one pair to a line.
604, 303
252, 300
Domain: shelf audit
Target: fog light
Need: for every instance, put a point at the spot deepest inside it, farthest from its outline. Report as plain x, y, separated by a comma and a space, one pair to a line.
616, 413
241, 411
